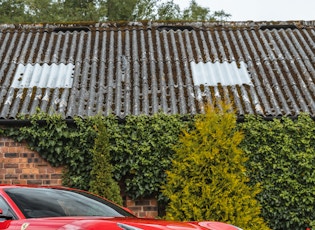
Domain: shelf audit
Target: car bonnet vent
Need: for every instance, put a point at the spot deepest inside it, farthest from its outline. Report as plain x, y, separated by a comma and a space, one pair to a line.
168, 28
71, 29
277, 27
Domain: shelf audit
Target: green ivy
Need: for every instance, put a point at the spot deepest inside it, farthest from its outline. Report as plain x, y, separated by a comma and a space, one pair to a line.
1, 131
282, 159
140, 148
281, 156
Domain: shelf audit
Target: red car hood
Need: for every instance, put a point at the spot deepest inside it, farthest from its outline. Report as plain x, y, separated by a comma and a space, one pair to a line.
98, 223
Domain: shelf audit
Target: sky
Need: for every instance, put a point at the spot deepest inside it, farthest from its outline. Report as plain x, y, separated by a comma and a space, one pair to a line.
260, 10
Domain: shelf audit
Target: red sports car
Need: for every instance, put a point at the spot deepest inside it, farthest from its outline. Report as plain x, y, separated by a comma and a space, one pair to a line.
41, 208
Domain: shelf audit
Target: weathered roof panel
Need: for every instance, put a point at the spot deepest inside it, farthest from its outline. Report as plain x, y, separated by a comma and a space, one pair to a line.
226, 74
43, 76
146, 67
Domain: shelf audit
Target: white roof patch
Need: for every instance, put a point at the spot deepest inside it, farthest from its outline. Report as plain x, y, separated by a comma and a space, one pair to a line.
225, 73
43, 76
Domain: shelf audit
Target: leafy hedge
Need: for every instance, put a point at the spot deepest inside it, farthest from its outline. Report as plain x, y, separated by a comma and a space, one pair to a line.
140, 148
281, 157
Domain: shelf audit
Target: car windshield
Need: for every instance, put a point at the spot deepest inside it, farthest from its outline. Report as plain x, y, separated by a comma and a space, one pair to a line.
51, 202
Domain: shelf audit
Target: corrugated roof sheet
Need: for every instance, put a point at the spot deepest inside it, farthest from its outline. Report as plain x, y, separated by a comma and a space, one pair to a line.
144, 68
226, 74
43, 76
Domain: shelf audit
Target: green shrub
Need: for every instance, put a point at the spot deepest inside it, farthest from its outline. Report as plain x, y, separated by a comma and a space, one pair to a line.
282, 158
102, 182
207, 180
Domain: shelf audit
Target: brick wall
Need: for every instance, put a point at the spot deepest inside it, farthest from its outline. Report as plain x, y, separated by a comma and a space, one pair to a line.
20, 165
143, 208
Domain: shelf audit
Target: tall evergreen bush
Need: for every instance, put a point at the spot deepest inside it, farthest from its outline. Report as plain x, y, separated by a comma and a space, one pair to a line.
102, 182
208, 179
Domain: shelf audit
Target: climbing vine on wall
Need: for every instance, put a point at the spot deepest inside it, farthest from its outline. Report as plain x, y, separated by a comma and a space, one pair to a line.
281, 156
140, 147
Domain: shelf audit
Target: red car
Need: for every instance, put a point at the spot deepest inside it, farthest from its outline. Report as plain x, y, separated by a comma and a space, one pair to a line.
40, 208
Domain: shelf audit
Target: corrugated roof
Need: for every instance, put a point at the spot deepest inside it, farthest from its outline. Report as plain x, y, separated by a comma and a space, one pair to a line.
145, 67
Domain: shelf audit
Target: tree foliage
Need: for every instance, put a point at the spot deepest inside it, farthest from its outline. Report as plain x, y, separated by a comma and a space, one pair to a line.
207, 180
82, 10
168, 11
198, 13
39, 11
12, 11
120, 10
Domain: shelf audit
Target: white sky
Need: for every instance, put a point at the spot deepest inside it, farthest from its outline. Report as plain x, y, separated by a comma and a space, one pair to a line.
260, 10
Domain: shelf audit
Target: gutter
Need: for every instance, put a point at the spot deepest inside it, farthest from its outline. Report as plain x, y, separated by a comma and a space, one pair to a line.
21, 123
71, 122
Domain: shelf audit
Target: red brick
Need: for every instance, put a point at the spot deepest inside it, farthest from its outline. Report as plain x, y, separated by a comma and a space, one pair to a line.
22, 160
142, 202
130, 203
152, 214
56, 176
10, 160
42, 170
141, 214
46, 182
11, 155
42, 176
8, 165
50, 170
153, 202
11, 176
150, 208
34, 182
19, 181
55, 182
31, 170
5, 182
135, 208
10, 171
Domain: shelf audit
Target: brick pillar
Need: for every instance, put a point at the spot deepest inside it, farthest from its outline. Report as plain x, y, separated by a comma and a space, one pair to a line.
143, 207
20, 165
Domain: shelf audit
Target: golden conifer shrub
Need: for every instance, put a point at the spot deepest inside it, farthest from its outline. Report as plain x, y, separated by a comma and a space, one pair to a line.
208, 179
